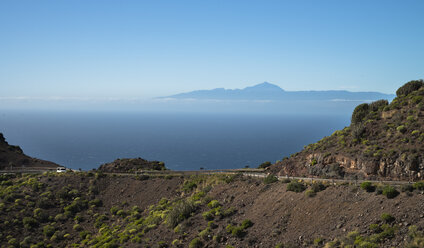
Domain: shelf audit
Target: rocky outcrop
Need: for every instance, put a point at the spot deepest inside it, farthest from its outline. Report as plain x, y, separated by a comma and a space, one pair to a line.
13, 158
131, 165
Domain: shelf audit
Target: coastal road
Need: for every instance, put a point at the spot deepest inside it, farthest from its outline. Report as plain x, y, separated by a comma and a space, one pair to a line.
255, 173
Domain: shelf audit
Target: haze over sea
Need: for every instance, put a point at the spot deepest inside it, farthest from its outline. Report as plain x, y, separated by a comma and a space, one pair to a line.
184, 141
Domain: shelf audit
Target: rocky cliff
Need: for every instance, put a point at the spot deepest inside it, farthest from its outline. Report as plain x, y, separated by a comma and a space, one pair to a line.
12, 158
384, 141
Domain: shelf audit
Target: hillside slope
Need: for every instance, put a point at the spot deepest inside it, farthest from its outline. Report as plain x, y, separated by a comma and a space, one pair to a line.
97, 210
12, 158
383, 141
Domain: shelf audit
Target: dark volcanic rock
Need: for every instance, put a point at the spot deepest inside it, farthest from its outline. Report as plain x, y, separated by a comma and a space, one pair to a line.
12, 158
131, 165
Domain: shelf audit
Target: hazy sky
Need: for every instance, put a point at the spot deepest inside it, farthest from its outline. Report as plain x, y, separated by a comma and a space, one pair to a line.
84, 48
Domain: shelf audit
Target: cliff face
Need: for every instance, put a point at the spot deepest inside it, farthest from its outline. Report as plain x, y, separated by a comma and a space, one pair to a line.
384, 141
12, 157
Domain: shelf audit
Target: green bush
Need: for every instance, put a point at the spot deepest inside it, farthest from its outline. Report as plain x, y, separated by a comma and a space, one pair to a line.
285, 180
359, 113
77, 227
29, 222
49, 230
76, 206
121, 213
368, 186
270, 179
246, 223
205, 234
264, 165
407, 188
96, 203
182, 210
419, 185
195, 243
390, 192
387, 218
296, 186
358, 130
409, 87
114, 210
317, 187
208, 215
401, 129
189, 186
310, 193
238, 232
214, 204
378, 105
41, 215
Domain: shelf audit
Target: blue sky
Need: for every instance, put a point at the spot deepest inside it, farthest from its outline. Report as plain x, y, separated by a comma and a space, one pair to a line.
84, 48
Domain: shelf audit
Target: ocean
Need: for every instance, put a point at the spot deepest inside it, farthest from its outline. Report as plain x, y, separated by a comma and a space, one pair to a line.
184, 141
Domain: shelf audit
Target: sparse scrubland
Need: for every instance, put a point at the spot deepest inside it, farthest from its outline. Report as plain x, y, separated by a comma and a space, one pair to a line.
85, 209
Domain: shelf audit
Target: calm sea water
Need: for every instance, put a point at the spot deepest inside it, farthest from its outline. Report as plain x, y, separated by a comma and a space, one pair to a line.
183, 141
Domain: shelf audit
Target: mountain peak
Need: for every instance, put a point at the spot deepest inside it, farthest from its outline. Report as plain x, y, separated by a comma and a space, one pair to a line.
265, 86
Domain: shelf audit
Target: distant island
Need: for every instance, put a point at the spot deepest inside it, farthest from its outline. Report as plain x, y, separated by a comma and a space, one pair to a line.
268, 91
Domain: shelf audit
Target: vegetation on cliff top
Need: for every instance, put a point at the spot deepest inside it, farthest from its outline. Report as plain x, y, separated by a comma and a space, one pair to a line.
383, 140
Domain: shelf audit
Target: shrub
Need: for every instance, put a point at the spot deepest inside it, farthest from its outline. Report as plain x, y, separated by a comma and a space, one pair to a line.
246, 223
285, 180
60, 217
195, 243
182, 210
310, 193
238, 232
359, 113
358, 130
77, 227
49, 230
208, 215
407, 188
76, 206
296, 186
114, 210
264, 165
387, 218
41, 215
368, 186
212, 225
419, 185
401, 129
409, 87
205, 233
29, 222
378, 105
317, 187
417, 99
189, 186
121, 213
390, 192
214, 204
270, 179
78, 218
96, 203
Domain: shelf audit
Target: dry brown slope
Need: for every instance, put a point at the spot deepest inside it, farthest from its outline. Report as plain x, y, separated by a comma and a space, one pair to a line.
279, 216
